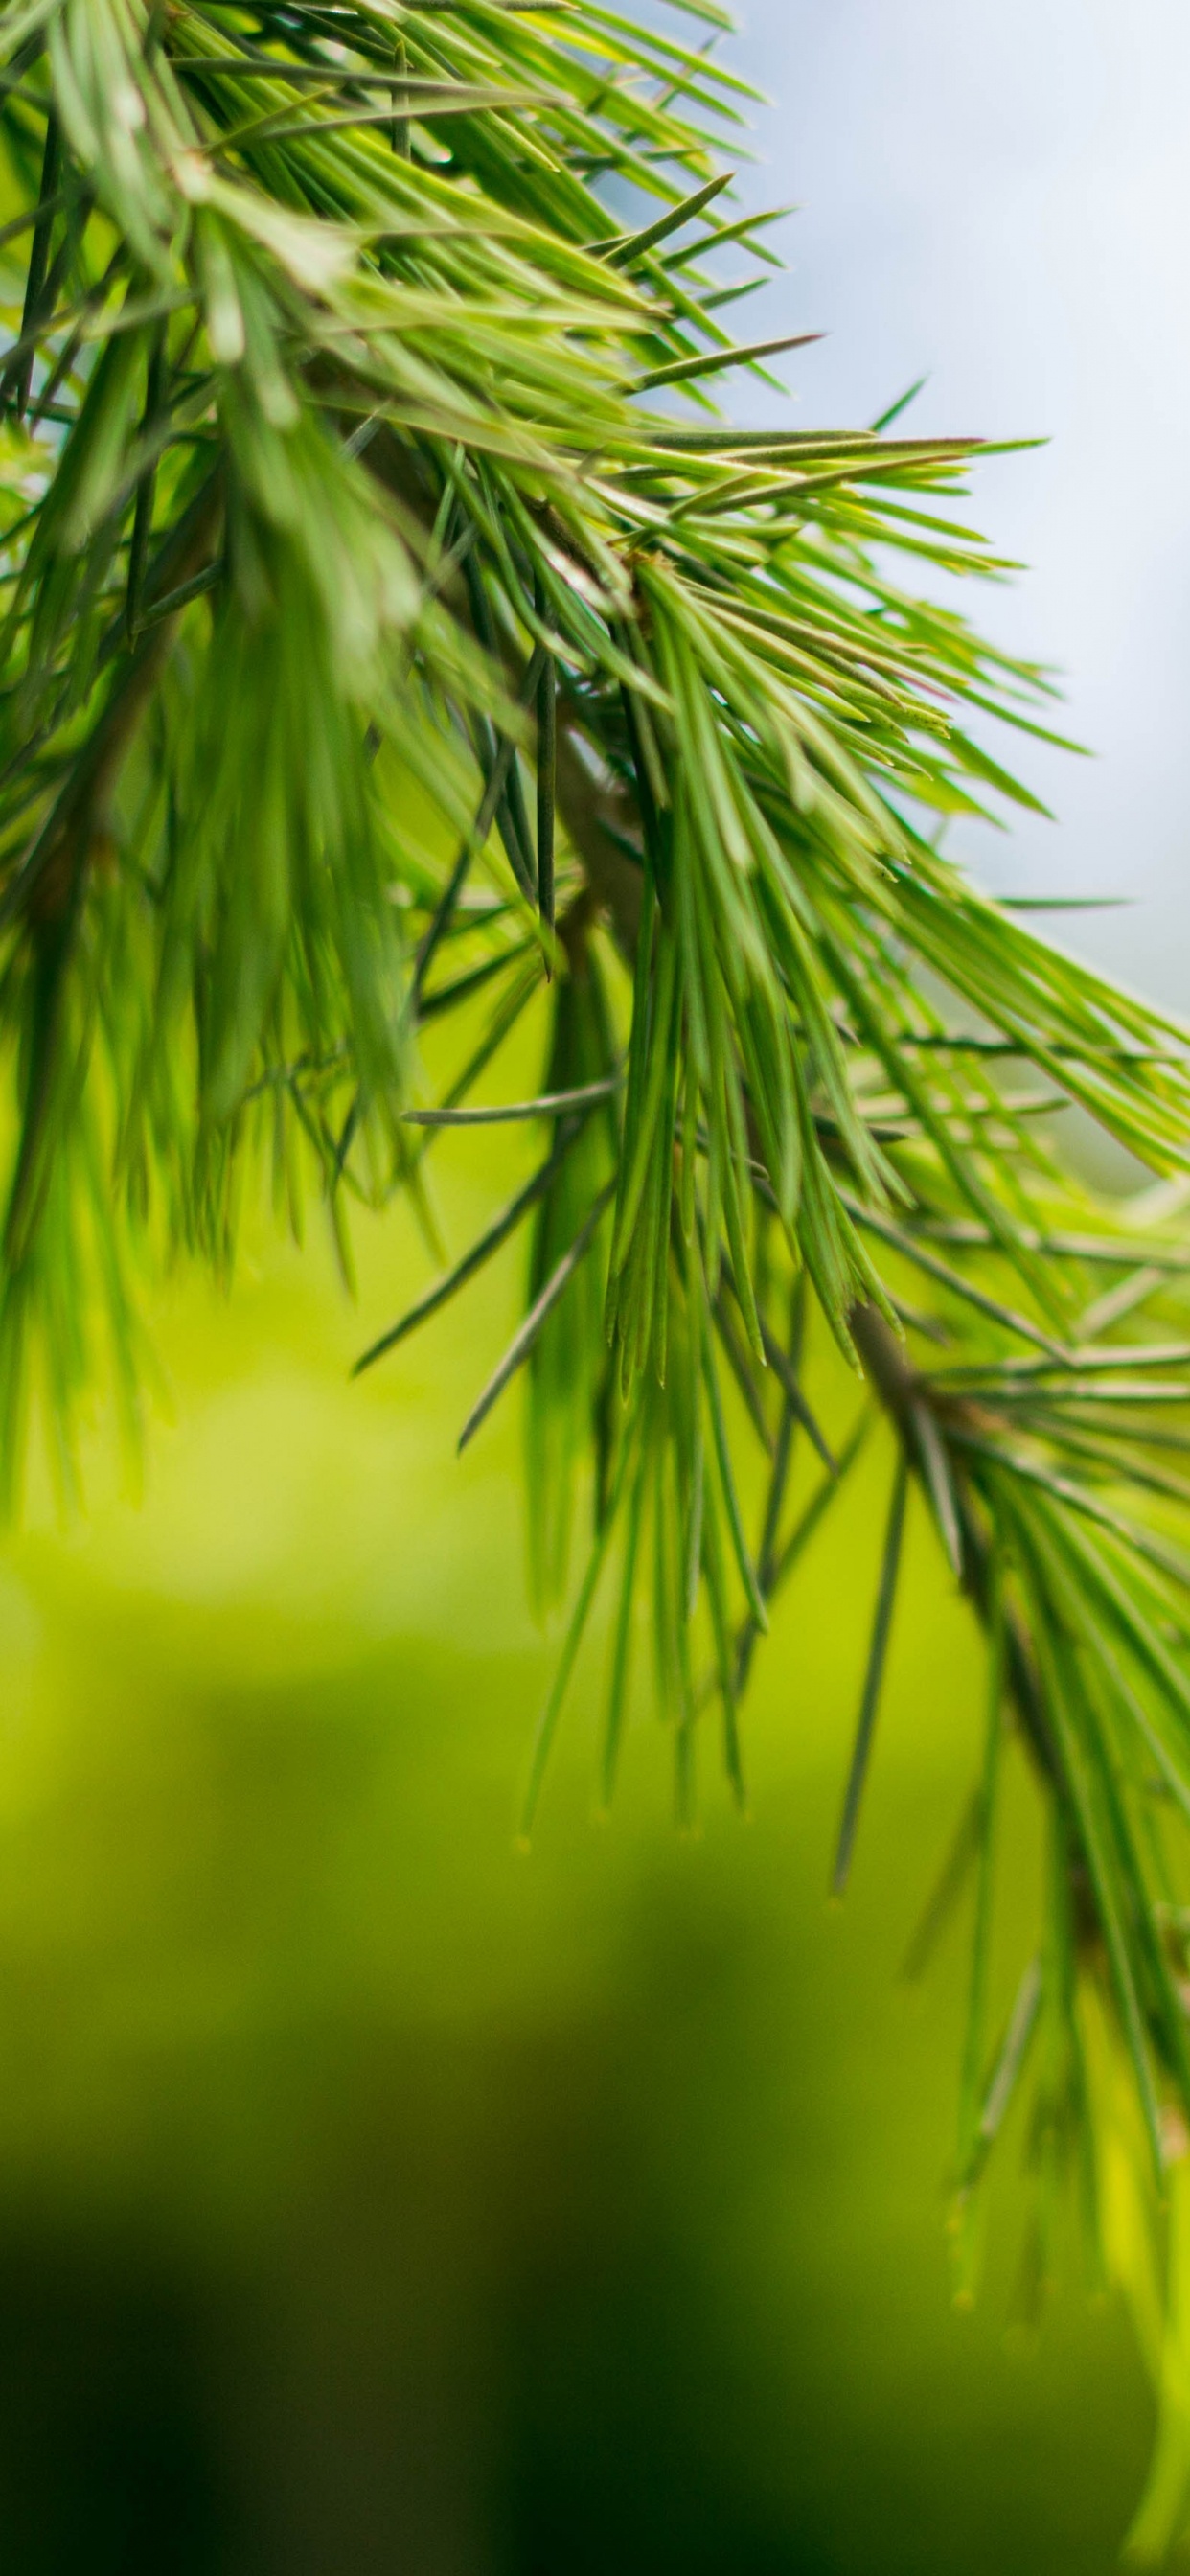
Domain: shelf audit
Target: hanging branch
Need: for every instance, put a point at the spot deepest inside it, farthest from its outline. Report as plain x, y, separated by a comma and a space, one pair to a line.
354, 464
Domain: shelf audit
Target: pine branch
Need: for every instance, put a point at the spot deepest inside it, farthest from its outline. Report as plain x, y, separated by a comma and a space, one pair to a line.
337, 515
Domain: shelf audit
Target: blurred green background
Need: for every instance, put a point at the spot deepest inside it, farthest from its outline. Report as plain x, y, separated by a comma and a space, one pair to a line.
373, 2197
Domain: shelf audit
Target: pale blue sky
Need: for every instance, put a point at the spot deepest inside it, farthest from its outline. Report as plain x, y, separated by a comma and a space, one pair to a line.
998, 192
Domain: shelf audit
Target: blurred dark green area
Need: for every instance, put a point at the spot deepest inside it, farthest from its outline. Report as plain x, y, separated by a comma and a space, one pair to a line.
372, 2197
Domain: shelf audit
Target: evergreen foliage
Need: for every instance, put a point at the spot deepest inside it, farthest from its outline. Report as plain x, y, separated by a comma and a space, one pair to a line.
393, 628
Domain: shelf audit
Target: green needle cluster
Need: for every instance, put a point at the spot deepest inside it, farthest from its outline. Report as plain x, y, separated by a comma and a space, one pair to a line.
392, 632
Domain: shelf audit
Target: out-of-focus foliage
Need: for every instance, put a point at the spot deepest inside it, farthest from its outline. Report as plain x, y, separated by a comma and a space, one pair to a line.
390, 621
369, 2191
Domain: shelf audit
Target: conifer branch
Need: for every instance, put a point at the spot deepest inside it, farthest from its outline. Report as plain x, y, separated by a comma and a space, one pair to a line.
377, 649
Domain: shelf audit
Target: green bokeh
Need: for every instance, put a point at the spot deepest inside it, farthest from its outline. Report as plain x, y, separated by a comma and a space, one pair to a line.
372, 2197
